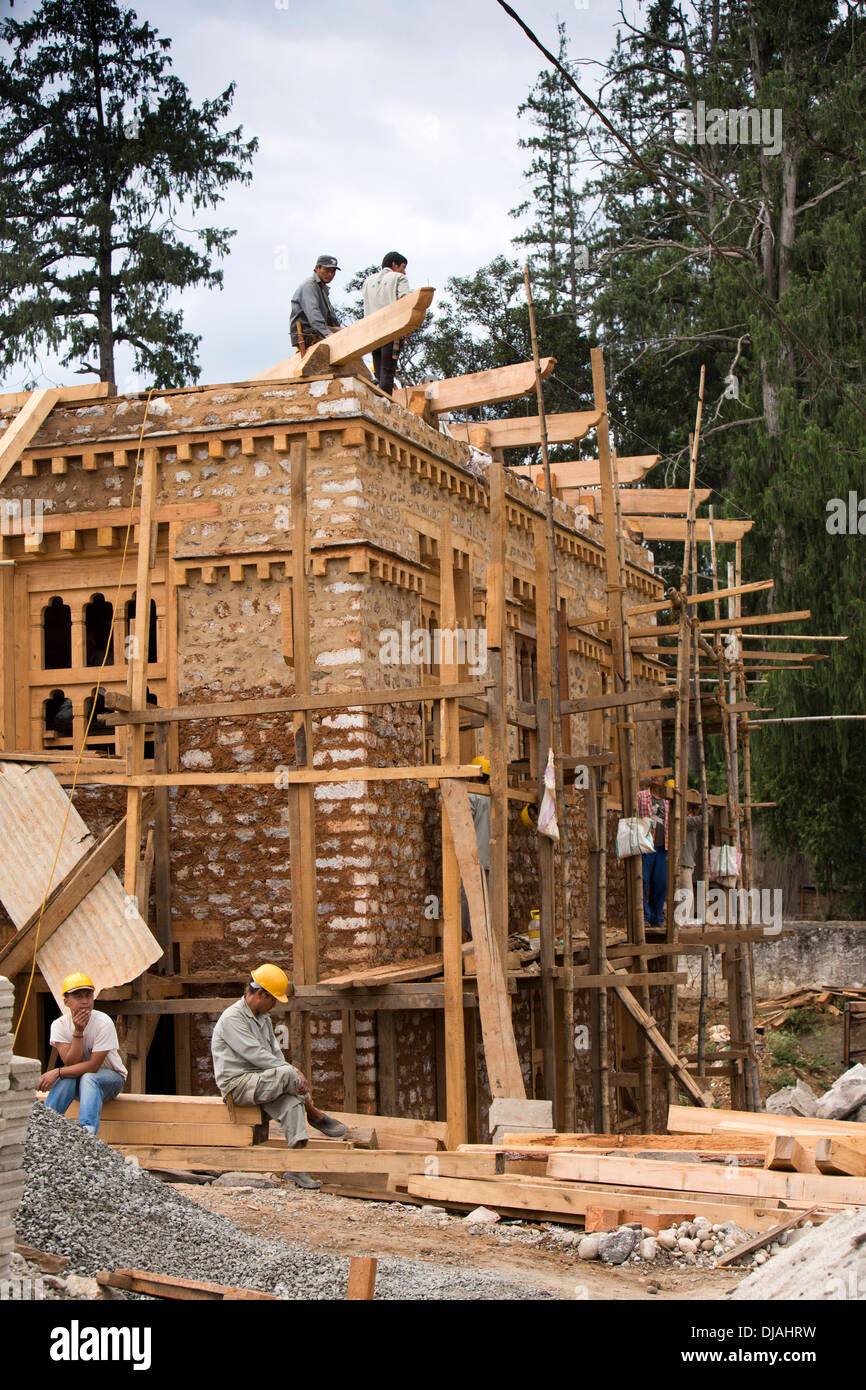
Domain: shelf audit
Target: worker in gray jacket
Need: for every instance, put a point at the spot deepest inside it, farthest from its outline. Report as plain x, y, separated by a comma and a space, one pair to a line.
313, 317
380, 289
249, 1065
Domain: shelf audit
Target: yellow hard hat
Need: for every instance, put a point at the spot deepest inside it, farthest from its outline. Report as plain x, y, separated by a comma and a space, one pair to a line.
483, 763
274, 980
77, 981
529, 816
670, 782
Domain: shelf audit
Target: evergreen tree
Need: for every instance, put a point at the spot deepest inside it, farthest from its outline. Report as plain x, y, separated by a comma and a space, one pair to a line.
100, 148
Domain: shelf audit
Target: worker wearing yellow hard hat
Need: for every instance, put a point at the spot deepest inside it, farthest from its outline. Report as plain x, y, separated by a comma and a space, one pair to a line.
249, 1065
91, 1069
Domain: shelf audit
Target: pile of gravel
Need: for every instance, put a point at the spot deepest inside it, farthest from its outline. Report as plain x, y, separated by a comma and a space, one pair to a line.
84, 1200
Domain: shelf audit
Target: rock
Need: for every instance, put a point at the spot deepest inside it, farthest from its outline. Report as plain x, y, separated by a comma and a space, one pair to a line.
614, 1247
859, 1116
687, 1245
245, 1180
792, 1100
647, 1231
481, 1216
81, 1286
588, 1248
707, 1244
667, 1239
718, 1250
648, 1248
652, 1288
761, 1257
847, 1094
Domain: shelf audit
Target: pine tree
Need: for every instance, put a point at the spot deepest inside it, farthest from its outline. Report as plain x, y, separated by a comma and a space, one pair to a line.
100, 151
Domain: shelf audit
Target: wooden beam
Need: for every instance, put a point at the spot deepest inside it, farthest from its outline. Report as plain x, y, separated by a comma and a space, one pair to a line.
682, 1119
87, 391
362, 1278
707, 1177
497, 1031
660, 501
721, 624
655, 528
650, 1028
449, 731
428, 772
185, 1290
785, 1154
18, 435
569, 478
480, 388
16, 955
841, 1156
291, 704
365, 335
524, 431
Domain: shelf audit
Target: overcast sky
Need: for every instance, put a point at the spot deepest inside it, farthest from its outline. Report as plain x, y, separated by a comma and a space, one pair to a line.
381, 125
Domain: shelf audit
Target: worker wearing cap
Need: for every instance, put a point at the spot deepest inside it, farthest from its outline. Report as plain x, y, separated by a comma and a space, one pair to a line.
90, 1064
250, 1067
380, 289
312, 312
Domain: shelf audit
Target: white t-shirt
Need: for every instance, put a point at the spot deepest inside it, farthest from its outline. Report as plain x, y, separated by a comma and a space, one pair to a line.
100, 1035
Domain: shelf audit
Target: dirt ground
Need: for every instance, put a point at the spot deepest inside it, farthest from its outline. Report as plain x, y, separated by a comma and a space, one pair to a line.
524, 1252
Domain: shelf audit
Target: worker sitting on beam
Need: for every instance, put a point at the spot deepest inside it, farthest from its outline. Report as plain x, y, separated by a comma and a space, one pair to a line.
250, 1067
313, 316
91, 1069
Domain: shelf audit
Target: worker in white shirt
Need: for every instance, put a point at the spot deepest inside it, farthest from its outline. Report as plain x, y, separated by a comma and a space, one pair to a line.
380, 289
90, 1068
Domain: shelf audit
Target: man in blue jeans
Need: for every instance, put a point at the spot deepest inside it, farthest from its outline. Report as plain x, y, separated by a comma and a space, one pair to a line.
91, 1068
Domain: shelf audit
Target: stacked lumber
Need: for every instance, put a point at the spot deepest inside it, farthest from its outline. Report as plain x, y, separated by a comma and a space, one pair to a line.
723, 1165
199, 1134
776, 1012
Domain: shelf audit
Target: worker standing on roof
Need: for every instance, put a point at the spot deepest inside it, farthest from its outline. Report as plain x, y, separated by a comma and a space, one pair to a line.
380, 289
91, 1068
313, 316
249, 1065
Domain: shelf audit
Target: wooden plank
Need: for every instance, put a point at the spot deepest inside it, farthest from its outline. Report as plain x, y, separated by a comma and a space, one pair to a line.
720, 624
436, 1130
86, 391
452, 926
709, 596
333, 699
271, 1158
785, 1154
394, 321
631, 979
619, 699
19, 433
704, 1143
148, 1131
362, 1278
648, 501
569, 1201
63, 900
479, 1163
524, 431
166, 1286
302, 810
163, 1109
568, 478
750, 1246
303, 776
94, 520
842, 1157
479, 388
500, 1049
682, 1119
419, 968
706, 1177
386, 1064
348, 1045
656, 528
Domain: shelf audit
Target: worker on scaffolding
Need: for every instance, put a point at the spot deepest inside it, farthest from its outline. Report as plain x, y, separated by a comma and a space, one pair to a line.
250, 1067
91, 1070
313, 316
380, 289
655, 806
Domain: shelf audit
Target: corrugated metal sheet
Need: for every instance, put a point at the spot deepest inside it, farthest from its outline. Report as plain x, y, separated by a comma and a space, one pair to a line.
105, 936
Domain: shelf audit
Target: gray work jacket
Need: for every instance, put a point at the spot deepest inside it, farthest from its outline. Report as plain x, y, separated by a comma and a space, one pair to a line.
243, 1042
311, 304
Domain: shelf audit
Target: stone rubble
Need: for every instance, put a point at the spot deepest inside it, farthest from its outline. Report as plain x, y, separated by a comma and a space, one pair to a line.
19, 1077
845, 1100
